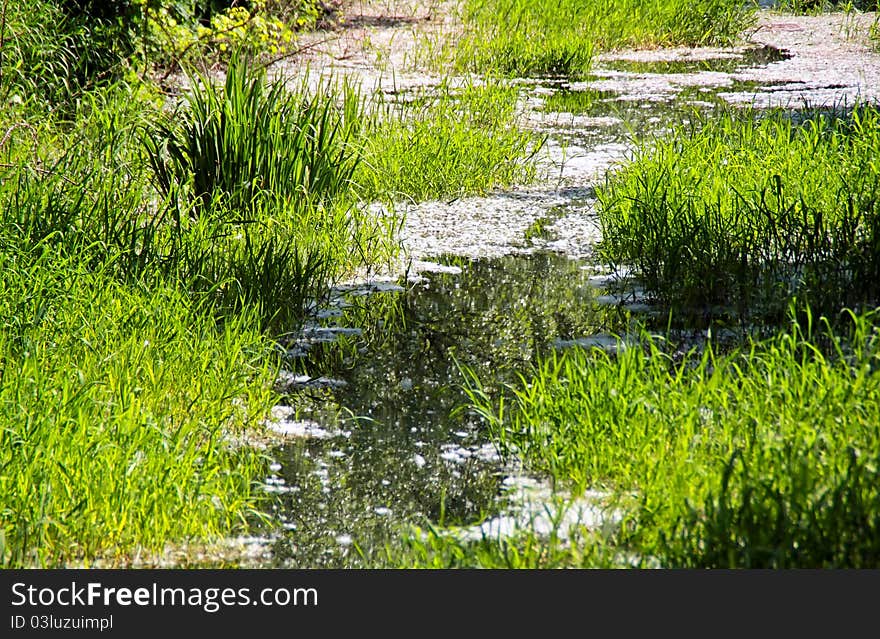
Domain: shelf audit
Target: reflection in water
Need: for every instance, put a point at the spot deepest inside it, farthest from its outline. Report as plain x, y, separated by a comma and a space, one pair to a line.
626, 100
402, 452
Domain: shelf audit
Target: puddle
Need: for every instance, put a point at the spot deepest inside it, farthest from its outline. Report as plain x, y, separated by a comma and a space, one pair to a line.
387, 448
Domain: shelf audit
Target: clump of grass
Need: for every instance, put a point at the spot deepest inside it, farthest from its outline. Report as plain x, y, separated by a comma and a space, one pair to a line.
747, 212
763, 457
80, 189
450, 142
259, 181
814, 7
548, 37
575, 102
520, 39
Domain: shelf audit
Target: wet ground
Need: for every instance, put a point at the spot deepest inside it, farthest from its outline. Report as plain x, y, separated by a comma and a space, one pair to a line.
372, 438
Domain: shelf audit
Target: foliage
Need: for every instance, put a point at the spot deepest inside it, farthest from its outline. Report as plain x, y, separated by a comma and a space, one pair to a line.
116, 424
54, 50
134, 345
248, 142
180, 32
874, 33
549, 37
49, 55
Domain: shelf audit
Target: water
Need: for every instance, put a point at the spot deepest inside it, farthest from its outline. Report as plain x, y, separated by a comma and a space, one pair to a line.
389, 443
720, 61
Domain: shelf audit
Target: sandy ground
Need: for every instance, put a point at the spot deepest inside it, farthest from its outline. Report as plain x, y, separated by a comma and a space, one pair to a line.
383, 45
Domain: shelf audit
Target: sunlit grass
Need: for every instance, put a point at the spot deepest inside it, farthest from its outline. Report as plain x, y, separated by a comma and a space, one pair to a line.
576, 102
764, 457
548, 37
749, 210
136, 347
815, 7
446, 142
148, 261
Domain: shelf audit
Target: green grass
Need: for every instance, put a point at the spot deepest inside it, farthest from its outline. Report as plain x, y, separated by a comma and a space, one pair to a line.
136, 343
447, 142
258, 185
874, 33
747, 211
119, 406
150, 256
549, 37
764, 457
575, 102
246, 142
438, 548
120, 389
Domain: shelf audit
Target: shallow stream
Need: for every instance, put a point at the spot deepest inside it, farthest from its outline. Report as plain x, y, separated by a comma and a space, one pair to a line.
375, 437
387, 445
